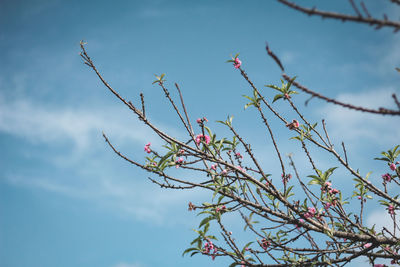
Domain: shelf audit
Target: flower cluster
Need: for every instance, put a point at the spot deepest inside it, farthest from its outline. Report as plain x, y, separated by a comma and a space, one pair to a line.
386, 177
293, 125
147, 148
208, 247
202, 137
327, 188
223, 208
179, 162
238, 155
237, 63
265, 243
310, 213
201, 120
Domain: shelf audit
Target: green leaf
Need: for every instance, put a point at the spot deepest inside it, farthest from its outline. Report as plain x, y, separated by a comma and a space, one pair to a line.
189, 250
290, 83
194, 253
277, 97
385, 159
274, 87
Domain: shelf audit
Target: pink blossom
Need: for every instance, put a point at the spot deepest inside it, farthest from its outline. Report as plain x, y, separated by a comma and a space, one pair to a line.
202, 137
307, 215
367, 245
265, 243
198, 120
208, 247
224, 172
238, 155
311, 210
293, 125
223, 208
334, 191
327, 205
147, 148
393, 167
179, 162
328, 184
214, 167
386, 177
237, 63
379, 265
391, 209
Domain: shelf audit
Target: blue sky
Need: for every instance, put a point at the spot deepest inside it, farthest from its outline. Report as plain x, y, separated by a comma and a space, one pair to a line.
67, 200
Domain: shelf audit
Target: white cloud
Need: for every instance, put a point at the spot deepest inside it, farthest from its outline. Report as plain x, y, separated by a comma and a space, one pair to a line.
88, 177
352, 126
136, 198
38, 123
380, 218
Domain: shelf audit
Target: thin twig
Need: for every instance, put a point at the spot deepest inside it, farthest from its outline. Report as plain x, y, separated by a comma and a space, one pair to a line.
380, 111
274, 57
343, 17
142, 100
345, 153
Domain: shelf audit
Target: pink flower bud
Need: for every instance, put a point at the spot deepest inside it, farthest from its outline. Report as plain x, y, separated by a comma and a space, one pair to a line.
367, 245
237, 63
147, 148
201, 137
393, 167
386, 177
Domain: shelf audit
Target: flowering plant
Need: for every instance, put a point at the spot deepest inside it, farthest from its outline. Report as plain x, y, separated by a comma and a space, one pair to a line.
310, 225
